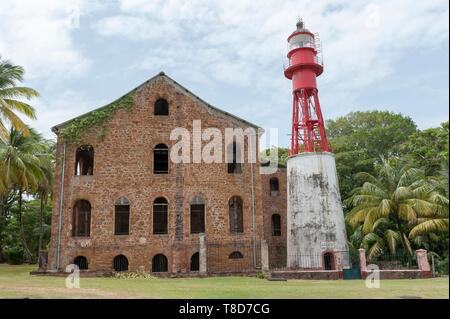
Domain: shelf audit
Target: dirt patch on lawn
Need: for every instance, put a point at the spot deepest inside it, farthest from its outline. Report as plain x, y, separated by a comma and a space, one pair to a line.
78, 293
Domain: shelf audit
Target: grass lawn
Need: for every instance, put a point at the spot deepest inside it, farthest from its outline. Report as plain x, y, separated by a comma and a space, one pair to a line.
15, 282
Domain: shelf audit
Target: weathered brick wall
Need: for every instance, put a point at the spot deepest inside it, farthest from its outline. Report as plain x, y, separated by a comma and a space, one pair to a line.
275, 204
217, 264
123, 167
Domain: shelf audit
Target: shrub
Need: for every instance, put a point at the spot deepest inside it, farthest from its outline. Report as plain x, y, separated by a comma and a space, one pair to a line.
261, 275
133, 275
442, 265
15, 255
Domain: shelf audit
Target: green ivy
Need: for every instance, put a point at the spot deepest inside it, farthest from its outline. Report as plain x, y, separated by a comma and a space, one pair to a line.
71, 132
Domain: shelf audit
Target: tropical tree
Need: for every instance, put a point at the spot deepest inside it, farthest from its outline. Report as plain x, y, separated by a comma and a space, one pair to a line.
388, 205
10, 95
438, 189
21, 169
45, 185
428, 148
358, 139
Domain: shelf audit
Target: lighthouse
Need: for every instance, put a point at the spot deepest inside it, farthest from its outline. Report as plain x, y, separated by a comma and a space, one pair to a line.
316, 235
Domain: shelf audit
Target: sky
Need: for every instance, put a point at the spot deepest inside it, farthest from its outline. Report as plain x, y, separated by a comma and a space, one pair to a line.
82, 54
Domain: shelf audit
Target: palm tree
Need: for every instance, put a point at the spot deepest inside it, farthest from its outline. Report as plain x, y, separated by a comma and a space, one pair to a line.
20, 168
386, 207
45, 185
438, 193
10, 75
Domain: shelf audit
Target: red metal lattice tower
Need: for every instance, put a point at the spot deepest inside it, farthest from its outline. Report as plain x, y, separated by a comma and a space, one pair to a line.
305, 65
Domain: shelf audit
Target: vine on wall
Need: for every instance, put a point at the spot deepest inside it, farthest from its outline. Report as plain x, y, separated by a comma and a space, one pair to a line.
71, 132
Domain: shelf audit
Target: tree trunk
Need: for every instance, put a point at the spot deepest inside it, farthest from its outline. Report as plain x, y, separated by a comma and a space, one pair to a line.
22, 230
2, 215
41, 224
2, 206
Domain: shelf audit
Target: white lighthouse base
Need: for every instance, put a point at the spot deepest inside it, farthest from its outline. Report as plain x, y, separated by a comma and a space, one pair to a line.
316, 235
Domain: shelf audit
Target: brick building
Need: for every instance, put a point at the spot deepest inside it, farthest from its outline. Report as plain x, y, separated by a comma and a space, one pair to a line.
274, 190
120, 203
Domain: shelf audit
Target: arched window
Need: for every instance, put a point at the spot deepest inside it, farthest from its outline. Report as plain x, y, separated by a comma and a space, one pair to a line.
122, 216
159, 263
234, 158
197, 215
236, 215
161, 107
328, 260
120, 263
160, 208
276, 225
161, 159
81, 226
195, 262
81, 262
84, 160
274, 186
236, 255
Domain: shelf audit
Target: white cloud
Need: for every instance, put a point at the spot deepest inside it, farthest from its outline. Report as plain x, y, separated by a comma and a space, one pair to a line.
131, 26
37, 35
244, 40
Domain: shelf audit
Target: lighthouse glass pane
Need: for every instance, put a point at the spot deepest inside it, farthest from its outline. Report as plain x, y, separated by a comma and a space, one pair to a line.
301, 41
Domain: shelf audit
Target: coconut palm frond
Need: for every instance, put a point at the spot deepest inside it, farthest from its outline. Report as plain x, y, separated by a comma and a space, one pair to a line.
365, 200
366, 177
429, 226
15, 121
421, 189
402, 193
373, 215
439, 199
18, 92
407, 244
392, 238
370, 238
373, 190
407, 213
409, 175
385, 207
10, 95
421, 206
21, 107
440, 211
381, 222
10, 74
3, 131
375, 249
357, 215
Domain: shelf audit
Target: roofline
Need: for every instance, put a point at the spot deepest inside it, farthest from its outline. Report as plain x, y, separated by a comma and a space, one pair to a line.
160, 74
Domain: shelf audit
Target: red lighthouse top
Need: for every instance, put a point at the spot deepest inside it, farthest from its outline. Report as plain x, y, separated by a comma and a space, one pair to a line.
303, 55
305, 65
